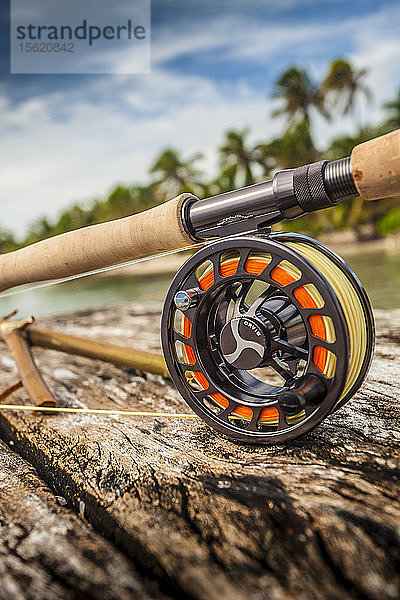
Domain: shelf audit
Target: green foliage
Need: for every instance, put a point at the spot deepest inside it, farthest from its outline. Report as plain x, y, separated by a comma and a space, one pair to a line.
390, 222
7, 242
393, 108
295, 147
242, 163
121, 202
236, 158
174, 174
342, 146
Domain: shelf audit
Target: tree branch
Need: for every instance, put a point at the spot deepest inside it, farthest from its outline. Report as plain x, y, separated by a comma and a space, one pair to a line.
20, 335
36, 388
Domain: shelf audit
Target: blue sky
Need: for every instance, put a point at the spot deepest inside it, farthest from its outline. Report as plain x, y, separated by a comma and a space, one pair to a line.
70, 138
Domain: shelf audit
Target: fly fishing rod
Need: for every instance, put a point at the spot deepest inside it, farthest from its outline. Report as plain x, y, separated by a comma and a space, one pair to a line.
264, 334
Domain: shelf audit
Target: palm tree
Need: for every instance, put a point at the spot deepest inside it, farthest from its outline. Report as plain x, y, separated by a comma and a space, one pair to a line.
294, 148
345, 83
394, 109
266, 156
237, 158
174, 173
299, 94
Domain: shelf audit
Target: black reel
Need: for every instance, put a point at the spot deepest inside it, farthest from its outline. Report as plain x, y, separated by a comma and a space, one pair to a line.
264, 336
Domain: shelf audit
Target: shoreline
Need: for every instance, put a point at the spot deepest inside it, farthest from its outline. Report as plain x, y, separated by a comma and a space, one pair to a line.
345, 243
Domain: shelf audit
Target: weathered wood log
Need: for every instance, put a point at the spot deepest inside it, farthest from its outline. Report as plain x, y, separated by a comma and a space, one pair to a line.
46, 551
316, 518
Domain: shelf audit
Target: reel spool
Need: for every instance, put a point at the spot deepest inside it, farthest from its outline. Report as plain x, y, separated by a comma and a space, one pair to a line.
264, 336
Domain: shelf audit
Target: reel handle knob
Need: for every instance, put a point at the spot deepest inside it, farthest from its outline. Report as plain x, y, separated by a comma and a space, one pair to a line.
310, 390
376, 167
186, 299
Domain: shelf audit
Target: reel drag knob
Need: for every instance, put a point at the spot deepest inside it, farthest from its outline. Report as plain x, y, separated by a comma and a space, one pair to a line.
244, 343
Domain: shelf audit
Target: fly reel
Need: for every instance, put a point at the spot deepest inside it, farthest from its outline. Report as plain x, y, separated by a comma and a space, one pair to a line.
264, 336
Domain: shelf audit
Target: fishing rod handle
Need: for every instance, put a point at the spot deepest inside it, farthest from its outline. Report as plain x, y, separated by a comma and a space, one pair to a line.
375, 167
89, 248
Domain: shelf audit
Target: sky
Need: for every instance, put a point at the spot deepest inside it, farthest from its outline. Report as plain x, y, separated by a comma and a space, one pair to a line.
71, 138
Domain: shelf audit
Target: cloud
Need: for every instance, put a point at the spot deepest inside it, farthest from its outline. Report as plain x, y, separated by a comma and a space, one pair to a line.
74, 145
50, 163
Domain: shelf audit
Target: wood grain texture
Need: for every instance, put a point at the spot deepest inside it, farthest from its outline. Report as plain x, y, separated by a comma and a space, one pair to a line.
316, 518
89, 248
376, 167
46, 551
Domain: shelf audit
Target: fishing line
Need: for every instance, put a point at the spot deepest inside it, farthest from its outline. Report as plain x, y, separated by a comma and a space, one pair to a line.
95, 411
351, 306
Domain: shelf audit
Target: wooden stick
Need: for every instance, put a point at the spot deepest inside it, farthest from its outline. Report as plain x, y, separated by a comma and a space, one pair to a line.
10, 390
36, 388
20, 335
143, 361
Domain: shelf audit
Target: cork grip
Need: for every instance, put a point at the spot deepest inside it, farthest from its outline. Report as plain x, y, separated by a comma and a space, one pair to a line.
376, 167
89, 248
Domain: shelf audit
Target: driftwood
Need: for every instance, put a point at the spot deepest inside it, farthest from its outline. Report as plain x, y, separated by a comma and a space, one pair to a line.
12, 332
46, 551
127, 357
188, 513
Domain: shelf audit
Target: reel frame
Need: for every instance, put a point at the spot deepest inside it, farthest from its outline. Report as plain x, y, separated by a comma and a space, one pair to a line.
202, 363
